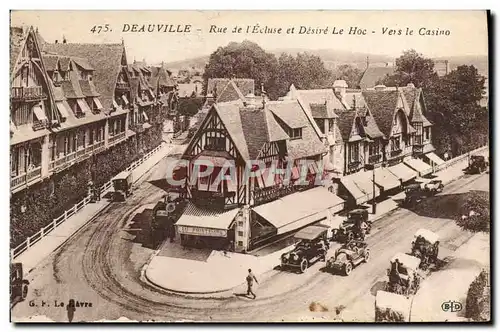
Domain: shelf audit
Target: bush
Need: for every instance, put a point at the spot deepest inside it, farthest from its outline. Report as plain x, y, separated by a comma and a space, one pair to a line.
49, 199
478, 300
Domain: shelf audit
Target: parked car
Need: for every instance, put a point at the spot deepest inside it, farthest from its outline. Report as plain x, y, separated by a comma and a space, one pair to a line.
434, 186
313, 246
414, 193
18, 285
348, 256
477, 164
352, 227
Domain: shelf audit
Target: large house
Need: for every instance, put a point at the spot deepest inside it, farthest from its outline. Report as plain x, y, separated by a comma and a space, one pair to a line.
257, 137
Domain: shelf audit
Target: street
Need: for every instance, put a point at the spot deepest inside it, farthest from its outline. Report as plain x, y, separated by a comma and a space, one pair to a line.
101, 265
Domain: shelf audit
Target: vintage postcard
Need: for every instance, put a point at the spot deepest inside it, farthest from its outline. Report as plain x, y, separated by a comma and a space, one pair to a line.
249, 166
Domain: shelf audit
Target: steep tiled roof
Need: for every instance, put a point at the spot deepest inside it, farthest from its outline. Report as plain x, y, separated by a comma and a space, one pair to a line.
371, 128
345, 122
373, 74
72, 88
254, 124
230, 93
64, 62
320, 96
88, 88
382, 105
245, 85
82, 62
161, 77
17, 39
229, 113
50, 62
322, 111
355, 98
134, 87
104, 58
414, 96
290, 112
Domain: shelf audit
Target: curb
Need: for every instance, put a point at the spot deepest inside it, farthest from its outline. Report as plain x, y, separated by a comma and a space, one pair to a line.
71, 236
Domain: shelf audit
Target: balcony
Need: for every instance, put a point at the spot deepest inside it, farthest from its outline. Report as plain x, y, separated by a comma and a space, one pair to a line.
396, 152
80, 155
25, 179
37, 125
31, 93
116, 138
269, 194
376, 158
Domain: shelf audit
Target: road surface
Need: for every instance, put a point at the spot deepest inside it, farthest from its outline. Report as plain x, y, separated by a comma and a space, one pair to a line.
101, 265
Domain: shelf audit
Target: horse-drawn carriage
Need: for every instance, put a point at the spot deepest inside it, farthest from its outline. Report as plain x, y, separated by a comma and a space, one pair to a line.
403, 275
425, 247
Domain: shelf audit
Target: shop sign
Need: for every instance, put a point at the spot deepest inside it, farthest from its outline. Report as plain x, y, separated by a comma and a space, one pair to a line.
201, 231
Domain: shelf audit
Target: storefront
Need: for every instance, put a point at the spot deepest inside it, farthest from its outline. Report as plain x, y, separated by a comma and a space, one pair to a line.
403, 172
205, 228
300, 209
419, 165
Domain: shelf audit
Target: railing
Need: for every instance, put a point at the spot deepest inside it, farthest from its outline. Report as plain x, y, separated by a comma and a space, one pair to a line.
25, 178
374, 158
27, 93
265, 195
78, 155
116, 138
460, 158
31, 240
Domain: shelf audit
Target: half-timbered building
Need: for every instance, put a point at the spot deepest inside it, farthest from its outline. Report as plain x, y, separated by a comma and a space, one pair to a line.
273, 153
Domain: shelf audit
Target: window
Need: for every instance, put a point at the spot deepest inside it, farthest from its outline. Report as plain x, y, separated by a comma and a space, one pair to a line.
296, 133
240, 243
396, 143
374, 149
240, 223
216, 143
240, 233
427, 133
354, 157
331, 125
23, 115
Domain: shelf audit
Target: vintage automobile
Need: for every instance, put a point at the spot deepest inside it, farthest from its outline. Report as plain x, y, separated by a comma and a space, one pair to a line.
390, 307
18, 285
425, 247
165, 213
433, 187
348, 256
313, 246
122, 186
477, 164
404, 277
413, 194
352, 228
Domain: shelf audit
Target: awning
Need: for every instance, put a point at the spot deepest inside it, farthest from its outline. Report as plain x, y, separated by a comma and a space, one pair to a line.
83, 106
419, 165
435, 158
145, 116
403, 172
300, 209
115, 105
205, 222
386, 179
364, 180
359, 196
98, 103
125, 99
40, 115
62, 109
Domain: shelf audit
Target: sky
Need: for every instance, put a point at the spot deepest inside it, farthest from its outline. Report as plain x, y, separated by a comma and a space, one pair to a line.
467, 31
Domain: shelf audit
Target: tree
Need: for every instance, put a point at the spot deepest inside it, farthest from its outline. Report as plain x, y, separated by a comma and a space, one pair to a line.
351, 75
243, 60
478, 301
188, 106
474, 213
412, 67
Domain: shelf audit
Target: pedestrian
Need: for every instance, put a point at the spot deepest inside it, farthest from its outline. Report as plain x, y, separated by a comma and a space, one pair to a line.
70, 308
250, 279
446, 156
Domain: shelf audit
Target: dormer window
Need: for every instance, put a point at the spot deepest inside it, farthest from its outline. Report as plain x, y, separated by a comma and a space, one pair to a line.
295, 133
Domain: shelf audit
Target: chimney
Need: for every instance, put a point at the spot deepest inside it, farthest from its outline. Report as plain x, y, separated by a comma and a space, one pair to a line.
380, 87
56, 41
64, 40
340, 89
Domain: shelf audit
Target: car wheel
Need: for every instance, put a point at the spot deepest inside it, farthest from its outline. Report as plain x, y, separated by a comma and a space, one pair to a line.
367, 256
303, 265
347, 268
24, 292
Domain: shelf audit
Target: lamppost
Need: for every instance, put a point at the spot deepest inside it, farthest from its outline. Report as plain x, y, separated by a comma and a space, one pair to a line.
374, 203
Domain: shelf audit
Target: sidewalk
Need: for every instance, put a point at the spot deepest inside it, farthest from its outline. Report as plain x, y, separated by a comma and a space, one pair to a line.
50, 242
212, 272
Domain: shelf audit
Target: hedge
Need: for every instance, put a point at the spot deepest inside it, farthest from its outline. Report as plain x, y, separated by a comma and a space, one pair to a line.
49, 199
478, 300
